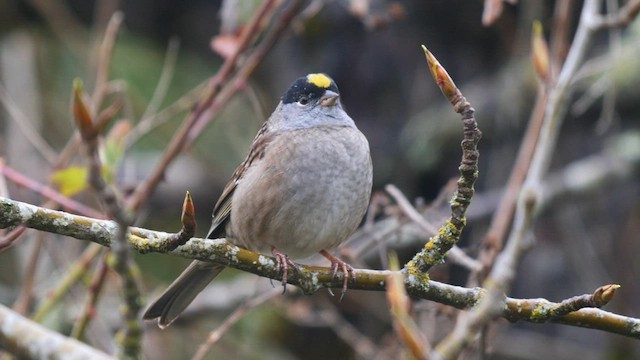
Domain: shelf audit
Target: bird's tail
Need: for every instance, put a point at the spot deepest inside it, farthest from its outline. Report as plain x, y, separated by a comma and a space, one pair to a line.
181, 292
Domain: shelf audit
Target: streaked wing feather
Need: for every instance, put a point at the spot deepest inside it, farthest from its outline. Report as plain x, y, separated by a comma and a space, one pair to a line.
222, 210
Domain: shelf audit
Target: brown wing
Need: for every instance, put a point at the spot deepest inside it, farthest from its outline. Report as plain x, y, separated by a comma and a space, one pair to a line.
222, 210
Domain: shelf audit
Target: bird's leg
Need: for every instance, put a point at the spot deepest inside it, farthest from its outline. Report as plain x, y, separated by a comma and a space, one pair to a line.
282, 264
347, 271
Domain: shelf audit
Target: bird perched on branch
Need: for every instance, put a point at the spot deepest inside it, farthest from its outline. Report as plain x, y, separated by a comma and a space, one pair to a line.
303, 188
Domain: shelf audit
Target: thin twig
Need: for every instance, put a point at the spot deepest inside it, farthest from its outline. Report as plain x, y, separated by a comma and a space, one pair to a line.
493, 241
613, 55
329, 316
175, 146
104, 60
95, 287
166, 75
404, 325
10, 238
23, 302
25, 125
410, 211
130, 336
560, 42
73, 274
236, 315
492, 11
69, 151
455, 254
364, 347
437, 247
621, 18
146, 125
48, 193
4, 190
503, 272
559, 95
63, 24
248, 67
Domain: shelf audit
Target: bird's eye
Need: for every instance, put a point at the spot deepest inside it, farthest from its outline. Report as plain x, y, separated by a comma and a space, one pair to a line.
303, 100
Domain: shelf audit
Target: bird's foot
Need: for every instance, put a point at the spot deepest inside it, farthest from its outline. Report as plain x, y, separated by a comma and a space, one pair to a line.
346, 269
283, 263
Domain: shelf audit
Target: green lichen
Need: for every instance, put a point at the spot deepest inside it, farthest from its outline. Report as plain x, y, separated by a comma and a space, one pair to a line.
436, 248
415, 280
542, 312
9, 214
430, 245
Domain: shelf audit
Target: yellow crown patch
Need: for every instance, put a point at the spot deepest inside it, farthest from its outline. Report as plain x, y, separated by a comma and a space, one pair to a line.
319, 80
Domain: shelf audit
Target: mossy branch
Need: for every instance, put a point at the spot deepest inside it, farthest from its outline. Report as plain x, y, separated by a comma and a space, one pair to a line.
437, 247
312, 278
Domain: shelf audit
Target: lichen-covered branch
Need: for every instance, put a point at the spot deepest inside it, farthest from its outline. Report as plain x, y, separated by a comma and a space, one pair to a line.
437, 247
577, 311
310, 278
501, 277
29, 340
544, 310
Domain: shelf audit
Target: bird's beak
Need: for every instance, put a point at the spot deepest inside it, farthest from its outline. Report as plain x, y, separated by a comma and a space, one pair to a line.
330, 98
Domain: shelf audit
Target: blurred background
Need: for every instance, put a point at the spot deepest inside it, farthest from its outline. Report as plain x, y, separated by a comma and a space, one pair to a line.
586, 235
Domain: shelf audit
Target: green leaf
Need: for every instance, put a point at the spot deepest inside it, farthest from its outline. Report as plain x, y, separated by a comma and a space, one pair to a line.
71, 180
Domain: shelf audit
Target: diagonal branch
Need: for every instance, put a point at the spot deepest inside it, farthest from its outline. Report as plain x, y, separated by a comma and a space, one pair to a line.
200, 110
29, 340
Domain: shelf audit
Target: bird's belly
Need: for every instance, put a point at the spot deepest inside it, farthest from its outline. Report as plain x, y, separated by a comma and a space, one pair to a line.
315, 204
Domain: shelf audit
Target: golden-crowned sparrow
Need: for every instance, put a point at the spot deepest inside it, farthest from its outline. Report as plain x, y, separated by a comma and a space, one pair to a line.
303, 188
